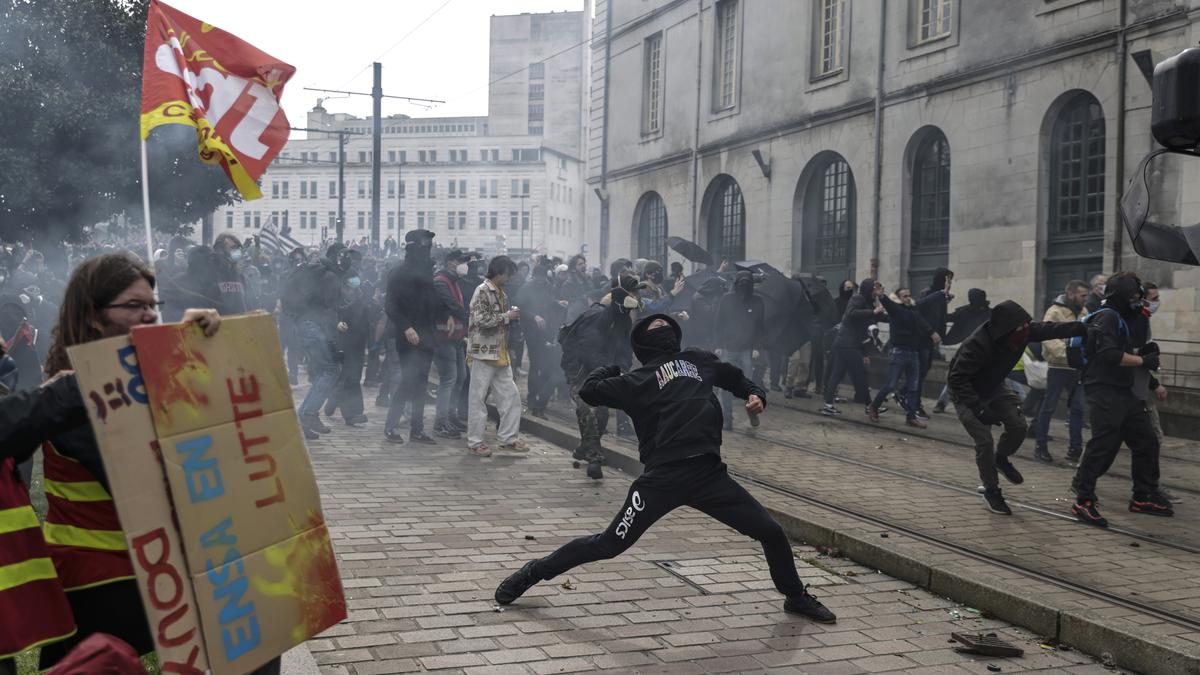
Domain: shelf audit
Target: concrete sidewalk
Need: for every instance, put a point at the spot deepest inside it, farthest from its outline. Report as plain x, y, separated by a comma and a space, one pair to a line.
424, 533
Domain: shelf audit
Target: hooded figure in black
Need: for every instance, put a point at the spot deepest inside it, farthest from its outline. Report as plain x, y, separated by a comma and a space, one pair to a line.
414, 307
850, 344
597, 338
966, 318
739, 330
934, 307
538, 301
976, 380
672, 403
1115, 386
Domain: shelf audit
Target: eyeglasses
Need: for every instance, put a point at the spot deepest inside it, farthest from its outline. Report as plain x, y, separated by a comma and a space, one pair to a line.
136, 306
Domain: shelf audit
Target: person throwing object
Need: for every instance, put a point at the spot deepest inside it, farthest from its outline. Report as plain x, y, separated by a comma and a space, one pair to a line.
678, 420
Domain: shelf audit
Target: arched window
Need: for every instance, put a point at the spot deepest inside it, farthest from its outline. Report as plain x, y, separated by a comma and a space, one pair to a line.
825, 210
1074, 130
931, 195
1077, 170
650, 227
726, 220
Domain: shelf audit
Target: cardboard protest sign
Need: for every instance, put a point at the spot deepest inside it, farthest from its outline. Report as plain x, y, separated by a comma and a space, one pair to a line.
250, 529
112, 387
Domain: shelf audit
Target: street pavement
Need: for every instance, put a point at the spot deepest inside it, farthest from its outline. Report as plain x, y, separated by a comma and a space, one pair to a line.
424, 534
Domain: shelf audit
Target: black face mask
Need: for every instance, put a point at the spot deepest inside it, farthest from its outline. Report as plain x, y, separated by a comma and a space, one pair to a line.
660, 340
656, 277
744, 290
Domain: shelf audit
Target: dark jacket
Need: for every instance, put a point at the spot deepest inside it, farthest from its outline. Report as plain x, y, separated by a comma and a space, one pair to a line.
852, 332
413, 302
739, 323
28, 418
966, 318
1107, 344
908, 327
322, 284
599, 337
1094, 302
536, 298
934, 306
983, 361
575, 289
670, 398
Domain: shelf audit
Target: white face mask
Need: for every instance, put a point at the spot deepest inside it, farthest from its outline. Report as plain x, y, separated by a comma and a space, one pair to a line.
461, 269
1152, 306
630, 302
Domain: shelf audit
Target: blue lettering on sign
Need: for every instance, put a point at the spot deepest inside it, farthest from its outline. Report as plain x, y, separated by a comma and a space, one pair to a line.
239, 624
201, 474
137, 388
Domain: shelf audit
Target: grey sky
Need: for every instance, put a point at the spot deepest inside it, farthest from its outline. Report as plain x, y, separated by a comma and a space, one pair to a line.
332, 45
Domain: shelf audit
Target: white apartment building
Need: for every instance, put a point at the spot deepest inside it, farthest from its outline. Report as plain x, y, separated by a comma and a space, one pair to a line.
479, 183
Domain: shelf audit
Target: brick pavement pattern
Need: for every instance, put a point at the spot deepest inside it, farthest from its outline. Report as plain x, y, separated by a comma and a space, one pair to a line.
425, 533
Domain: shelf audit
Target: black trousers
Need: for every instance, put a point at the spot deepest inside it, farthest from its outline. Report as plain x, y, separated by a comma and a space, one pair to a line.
778, 366
702, 483
413, 388
347, 393
538, 380
1117, 416
848, 361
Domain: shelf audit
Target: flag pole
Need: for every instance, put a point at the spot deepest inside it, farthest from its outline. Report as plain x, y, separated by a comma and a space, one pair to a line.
146, 219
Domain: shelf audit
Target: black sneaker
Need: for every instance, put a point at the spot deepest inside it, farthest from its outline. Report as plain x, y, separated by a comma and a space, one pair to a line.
882, 409
787, 393
540, 414
1041, 454
921, 414
800, 393
444, 431
595, 469
1151, 505
516, 584
829, 411
996, 504
1010, 473
1074, 454
309, 434
938, 408
580, 453
383, 401
839, 399
1086, 512
393, 436
806, 605
356, 420
421, 437
330, 408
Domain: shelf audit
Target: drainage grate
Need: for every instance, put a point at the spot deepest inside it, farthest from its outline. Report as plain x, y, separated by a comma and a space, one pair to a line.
732, 574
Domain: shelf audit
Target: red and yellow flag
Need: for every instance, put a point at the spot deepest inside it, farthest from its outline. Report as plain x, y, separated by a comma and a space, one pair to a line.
196, 74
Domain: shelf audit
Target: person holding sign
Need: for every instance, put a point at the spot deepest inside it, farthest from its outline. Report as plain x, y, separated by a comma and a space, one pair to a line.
107, 296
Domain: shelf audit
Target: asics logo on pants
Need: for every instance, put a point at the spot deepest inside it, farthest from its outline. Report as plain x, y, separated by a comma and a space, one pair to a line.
636, 507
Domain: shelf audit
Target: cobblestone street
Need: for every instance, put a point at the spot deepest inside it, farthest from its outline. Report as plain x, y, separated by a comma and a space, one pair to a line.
425, 533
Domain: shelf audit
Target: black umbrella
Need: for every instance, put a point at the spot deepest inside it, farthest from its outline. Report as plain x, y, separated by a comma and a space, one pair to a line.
820, 298
691, 284
689, 250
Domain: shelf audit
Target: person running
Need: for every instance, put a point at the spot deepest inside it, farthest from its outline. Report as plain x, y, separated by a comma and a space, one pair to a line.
671, 401
908, 328
981, 399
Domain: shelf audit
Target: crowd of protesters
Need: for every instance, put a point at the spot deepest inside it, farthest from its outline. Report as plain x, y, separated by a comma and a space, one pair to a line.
408, 317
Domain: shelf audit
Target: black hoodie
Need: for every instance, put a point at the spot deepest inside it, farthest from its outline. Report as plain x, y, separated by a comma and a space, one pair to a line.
968, 317
934, 305
1107, 343
670, 398
860, 313
978, 369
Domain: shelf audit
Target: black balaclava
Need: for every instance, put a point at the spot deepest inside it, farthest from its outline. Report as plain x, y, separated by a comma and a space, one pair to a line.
866, 288
743, 284
977, 298
653, 271
650, 344
1124, 295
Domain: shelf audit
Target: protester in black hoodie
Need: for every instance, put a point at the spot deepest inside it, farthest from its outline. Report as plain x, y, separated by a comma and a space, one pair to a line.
739, 329
976, 380
414, 307
963, 321
1115, 386
849, 345
671, 401
934, 307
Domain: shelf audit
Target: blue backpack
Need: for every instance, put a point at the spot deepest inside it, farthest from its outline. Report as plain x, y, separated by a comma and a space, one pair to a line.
1078, 349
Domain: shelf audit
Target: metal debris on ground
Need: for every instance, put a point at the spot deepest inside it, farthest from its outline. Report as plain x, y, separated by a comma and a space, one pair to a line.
987, 645
567, 585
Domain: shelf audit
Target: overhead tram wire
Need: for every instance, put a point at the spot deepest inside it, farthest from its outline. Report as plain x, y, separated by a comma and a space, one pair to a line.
397, 42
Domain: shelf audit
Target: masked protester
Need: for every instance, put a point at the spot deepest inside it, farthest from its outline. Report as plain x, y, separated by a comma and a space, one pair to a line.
544, 316
598, 337
1116, 382
934, 306
488, 351
107, 296
977, 374
671, 401
845, 292
357, 316
289, 333
313, 298
700, 331
849, 346
739, 333
414, 307
451, 355
655, 298
1060, 376
231, 283
964, 320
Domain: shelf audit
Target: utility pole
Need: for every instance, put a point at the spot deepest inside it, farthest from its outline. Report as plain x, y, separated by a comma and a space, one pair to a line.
400, 196
340, 226
377, 97
522, 222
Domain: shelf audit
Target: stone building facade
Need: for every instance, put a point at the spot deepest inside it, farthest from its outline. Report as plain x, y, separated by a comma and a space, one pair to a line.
888, 137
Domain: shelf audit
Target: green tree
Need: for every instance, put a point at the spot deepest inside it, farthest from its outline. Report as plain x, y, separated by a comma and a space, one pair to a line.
70, 98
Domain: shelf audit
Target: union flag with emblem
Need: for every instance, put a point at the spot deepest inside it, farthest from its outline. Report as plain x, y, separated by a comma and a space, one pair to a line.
196, 74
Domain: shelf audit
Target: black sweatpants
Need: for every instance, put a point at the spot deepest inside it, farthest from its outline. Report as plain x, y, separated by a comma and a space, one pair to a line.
848, 361
1117, 416
702, 483
413, 388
